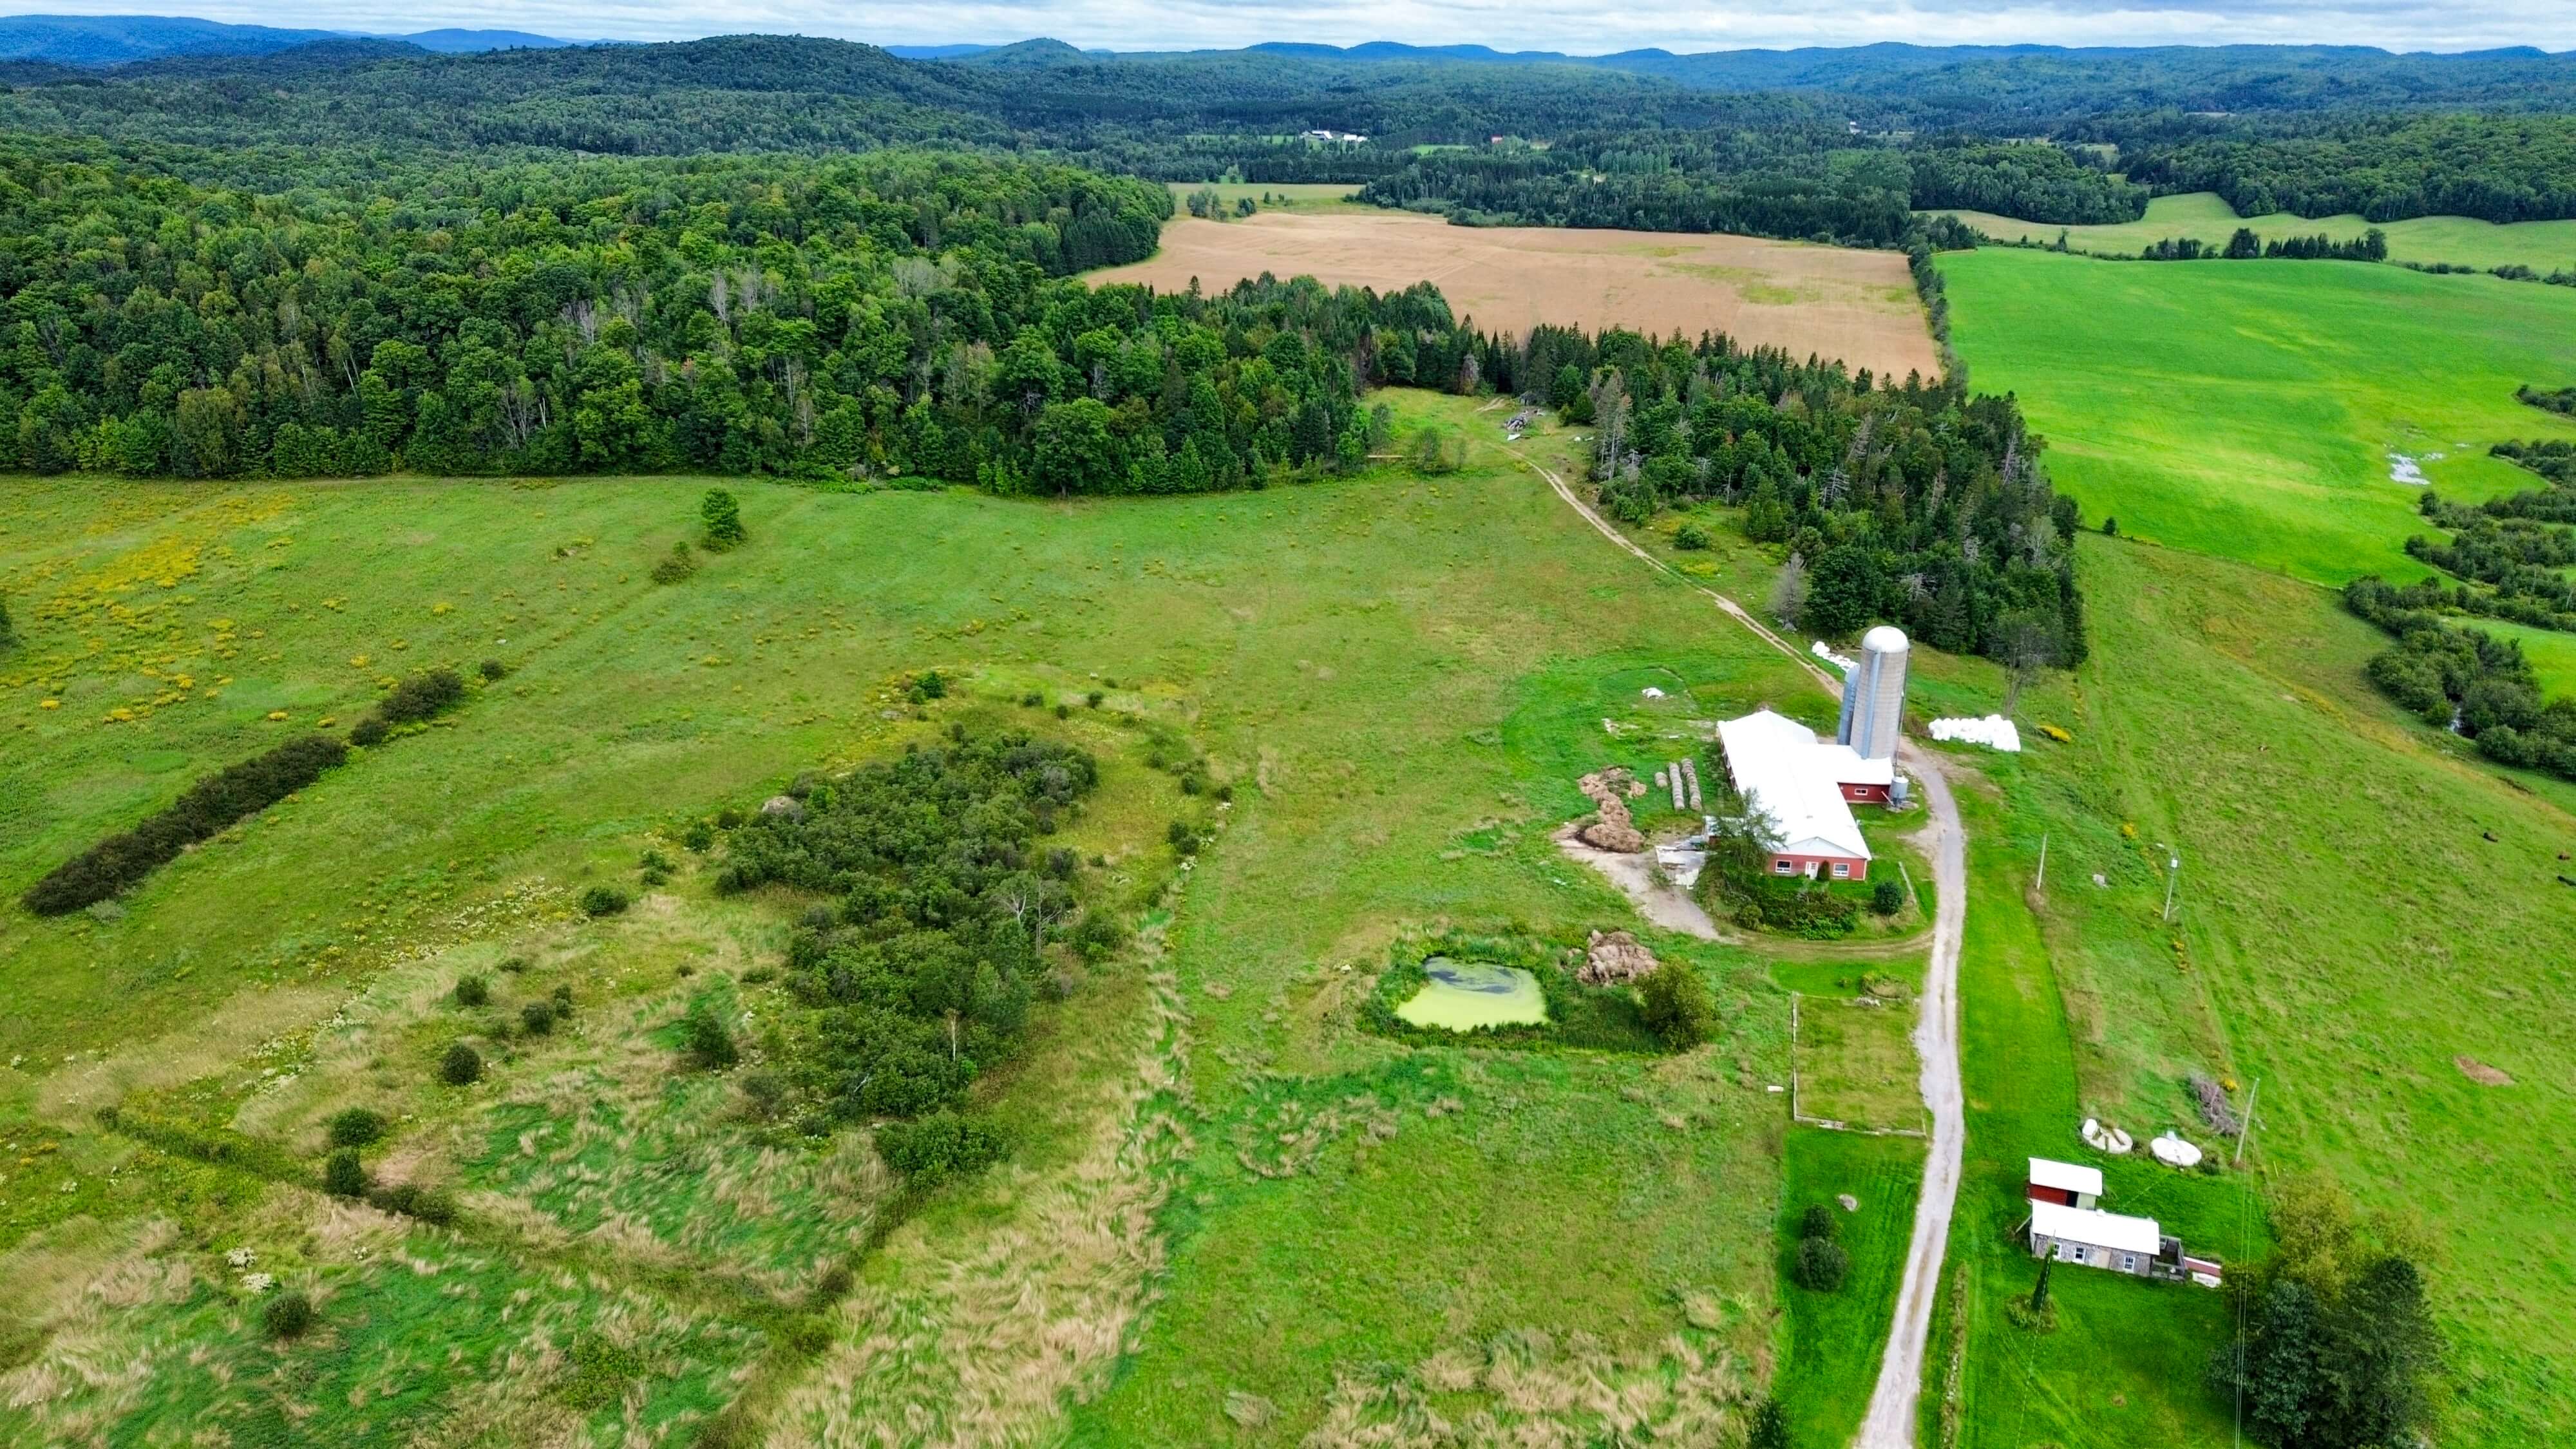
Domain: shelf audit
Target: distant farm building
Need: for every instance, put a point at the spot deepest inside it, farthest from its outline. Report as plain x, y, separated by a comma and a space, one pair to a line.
2065, 1225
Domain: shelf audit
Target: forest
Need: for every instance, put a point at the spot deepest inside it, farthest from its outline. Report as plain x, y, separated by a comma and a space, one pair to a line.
1915, 502
2387, 168
895, 312
1815, 150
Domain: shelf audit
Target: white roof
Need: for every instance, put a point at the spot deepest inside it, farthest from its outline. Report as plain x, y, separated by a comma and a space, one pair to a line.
2066, 1177
1777, 764
1848, 768
2096, 1227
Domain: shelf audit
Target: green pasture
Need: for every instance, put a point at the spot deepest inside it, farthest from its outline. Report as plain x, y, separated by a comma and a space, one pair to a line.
2250, 410
1832, 1342
1229, 1199
2543, 246
2345, 930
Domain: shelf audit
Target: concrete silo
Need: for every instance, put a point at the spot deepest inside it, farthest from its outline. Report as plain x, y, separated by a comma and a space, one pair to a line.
1874, 695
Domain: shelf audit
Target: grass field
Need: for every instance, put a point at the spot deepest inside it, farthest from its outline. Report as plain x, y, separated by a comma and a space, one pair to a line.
1306, 197
2249, 411
2344, 930
1856, 305
1399, 677
2543, 246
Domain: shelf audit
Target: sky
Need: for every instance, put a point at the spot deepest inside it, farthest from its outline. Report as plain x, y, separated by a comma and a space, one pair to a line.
1504, 24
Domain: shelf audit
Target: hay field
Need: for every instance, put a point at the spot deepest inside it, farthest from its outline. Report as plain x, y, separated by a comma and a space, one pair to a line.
1855, 305
2460, 240
2250, 410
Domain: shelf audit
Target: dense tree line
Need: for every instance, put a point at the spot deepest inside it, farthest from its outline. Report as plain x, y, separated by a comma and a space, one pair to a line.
2464, 679
2558, 400
943, 898
206, 808
1788, 179
2516, 546
2387, 168
1912, 502
2244, 245
888, 311
2029, 182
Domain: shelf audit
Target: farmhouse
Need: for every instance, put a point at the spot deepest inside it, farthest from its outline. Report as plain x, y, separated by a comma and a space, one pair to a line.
2065, 1225
1781, 769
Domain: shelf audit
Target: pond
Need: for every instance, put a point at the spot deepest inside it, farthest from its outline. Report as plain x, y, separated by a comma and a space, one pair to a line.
1464, 995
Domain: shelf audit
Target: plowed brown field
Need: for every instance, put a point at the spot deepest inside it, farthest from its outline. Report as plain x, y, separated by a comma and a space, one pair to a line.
1832, 301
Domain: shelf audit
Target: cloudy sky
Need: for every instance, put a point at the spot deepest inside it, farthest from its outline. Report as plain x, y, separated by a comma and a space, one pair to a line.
1504, 24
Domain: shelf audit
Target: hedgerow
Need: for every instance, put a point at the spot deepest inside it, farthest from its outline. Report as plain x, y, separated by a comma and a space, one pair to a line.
211, 805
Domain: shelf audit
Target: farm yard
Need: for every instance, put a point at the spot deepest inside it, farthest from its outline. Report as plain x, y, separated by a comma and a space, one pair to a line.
1831, 301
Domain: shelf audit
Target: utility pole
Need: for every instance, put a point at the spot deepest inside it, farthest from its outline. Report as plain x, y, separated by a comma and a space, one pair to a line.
2173, 874
2041, 880
2247, 1129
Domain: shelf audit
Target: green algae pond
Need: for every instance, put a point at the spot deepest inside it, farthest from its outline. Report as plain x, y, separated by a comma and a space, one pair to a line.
1464, 995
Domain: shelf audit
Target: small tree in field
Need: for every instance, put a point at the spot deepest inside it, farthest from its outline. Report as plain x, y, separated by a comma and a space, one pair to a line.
723, 517
1675, 1004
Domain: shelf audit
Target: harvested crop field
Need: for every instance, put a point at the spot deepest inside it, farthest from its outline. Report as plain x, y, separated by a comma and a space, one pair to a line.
1833, 301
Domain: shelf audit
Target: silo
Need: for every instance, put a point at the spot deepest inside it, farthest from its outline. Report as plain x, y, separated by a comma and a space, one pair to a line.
1874, 695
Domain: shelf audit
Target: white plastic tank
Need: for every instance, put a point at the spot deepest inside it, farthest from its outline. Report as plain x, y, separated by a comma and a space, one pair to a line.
1873, 710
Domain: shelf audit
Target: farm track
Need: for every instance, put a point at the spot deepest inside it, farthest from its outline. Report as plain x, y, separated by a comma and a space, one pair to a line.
1890, 1422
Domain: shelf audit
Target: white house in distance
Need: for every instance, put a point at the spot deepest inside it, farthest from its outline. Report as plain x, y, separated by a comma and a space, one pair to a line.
2065, 1225
1805, 786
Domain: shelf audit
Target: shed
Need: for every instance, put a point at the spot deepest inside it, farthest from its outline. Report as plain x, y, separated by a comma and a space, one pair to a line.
2066, 1184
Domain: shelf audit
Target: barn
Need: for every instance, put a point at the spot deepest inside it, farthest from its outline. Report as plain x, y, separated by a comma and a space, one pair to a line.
1780, 768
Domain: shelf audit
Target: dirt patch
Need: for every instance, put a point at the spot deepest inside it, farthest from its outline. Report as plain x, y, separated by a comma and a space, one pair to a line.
1616, 830
2482, 1074
1833, 301
1658, 901
1613, 958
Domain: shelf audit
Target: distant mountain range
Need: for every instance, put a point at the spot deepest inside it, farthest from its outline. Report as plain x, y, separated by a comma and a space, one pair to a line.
111, 40
105, 40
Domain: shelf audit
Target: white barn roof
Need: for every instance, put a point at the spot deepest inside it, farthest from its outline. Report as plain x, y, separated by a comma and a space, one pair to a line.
2066, 1177
1780, 768
2094, 1226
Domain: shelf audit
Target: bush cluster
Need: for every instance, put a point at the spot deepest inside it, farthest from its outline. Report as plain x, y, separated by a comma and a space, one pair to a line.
706, 1039
213, 804
462, 1066
1821, 1264
1675, 1003
943, 1144
289, 1315
604, 900
356, 1127
922, 972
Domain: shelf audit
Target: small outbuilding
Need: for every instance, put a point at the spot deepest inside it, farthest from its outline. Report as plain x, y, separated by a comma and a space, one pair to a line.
2066, 1184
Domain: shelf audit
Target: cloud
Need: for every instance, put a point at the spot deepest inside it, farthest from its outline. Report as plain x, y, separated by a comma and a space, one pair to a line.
1181, 24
